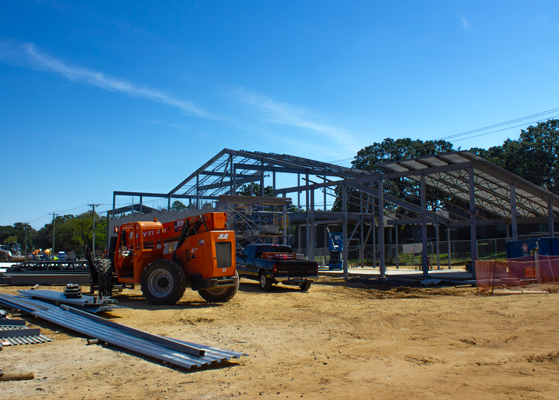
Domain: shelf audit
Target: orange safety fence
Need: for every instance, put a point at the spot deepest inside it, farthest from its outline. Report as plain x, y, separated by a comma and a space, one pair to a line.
522, 271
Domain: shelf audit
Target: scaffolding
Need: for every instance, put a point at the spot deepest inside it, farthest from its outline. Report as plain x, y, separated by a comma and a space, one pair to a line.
257, 219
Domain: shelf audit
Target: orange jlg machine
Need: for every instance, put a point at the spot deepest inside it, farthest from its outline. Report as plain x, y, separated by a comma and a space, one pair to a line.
166, 258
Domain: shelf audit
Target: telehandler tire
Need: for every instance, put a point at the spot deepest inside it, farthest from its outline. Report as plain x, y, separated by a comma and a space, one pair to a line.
305, 286
220, 295
105, 276
163, 282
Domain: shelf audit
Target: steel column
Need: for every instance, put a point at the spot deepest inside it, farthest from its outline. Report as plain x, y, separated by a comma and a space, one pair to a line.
284, 223
550, 226
311, 233
197, 191
344, 230
382, 265
362, 223
448, 246
374, 239
437, 244
326, 251
396, 240
232, 171
513, 212
299, 238
325, 205
262, 182
298, 193
473, 233
424, 256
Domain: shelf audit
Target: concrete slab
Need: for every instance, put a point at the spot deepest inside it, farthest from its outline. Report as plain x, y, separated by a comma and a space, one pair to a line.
459, 273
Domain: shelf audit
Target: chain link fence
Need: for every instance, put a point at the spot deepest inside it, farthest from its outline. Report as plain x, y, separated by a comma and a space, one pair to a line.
456, 253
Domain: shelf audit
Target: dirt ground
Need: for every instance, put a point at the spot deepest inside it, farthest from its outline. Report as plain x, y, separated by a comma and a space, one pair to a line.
337, 341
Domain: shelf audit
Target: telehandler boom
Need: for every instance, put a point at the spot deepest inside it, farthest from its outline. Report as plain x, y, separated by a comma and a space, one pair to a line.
166, 258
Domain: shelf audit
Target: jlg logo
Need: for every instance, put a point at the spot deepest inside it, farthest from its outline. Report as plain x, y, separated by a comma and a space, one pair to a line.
223, 236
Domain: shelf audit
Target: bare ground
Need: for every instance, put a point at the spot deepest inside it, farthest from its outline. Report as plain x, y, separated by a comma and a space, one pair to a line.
337, 341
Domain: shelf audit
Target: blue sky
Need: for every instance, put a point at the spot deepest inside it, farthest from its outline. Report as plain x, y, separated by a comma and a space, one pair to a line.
136, 95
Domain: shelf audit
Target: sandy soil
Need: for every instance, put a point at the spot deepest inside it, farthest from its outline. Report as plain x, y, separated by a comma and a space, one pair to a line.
338, 341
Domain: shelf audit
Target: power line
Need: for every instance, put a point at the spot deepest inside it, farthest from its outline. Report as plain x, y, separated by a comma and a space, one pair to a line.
504, 129
502, 124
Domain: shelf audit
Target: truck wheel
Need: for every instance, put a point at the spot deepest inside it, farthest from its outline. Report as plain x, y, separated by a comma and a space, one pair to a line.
305, 286
105, 277
220, 295
163, 282
265, 282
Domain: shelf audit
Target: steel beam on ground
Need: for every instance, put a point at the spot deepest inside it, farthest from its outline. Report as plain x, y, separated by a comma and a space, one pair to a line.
121, 335
30, 279
4, 333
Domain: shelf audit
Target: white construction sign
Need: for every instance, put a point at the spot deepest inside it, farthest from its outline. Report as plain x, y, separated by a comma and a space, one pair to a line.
412, 248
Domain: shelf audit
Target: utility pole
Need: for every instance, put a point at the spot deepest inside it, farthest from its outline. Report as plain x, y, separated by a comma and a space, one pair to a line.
93, 206
25, 231
53, 217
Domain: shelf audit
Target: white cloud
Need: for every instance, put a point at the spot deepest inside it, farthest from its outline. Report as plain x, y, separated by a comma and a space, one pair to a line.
287, 114
27, 55
176, 126
465, 23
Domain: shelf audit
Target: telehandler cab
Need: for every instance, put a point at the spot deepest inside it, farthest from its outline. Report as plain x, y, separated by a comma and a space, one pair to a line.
166, 258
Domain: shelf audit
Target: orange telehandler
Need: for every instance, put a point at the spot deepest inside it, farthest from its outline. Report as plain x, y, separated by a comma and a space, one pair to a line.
166, 258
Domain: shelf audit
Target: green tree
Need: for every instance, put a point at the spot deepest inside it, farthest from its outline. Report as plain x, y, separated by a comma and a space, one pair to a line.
178, 206
43, 240
73, 233
253, 189
371, 157
7, 231
533, 156
25, 231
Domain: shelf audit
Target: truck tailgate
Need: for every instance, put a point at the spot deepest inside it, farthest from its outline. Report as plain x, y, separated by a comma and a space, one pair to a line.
296, 268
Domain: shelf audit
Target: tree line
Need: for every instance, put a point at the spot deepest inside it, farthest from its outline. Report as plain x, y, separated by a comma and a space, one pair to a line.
533, 156
71, 233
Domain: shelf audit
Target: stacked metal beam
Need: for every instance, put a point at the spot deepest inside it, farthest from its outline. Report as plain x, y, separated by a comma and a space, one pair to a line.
14, 332
169, 351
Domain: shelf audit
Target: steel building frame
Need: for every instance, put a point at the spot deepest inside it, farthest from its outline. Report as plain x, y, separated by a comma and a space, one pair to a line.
493, 195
